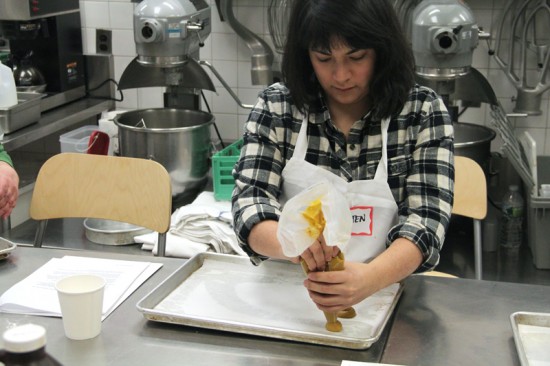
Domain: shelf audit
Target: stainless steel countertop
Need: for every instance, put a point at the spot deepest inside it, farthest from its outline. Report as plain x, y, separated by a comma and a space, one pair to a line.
438, 321
446, 321
127, 338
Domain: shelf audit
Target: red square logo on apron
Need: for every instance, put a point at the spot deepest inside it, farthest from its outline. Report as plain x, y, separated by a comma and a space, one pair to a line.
362, 220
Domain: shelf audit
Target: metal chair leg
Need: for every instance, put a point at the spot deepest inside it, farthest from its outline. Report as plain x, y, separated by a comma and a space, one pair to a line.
477, 249
39, 236
161, 247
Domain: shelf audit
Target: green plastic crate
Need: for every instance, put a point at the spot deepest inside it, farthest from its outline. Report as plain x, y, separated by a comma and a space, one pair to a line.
222, 164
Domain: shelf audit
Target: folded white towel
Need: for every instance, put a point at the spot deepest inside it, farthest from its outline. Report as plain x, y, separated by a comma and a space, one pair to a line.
204, 225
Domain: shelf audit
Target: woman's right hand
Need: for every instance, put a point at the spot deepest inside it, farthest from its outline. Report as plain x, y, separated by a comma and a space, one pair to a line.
317, 255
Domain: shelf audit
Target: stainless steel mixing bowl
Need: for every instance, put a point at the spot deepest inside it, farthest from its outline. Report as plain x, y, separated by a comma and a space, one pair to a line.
179, 139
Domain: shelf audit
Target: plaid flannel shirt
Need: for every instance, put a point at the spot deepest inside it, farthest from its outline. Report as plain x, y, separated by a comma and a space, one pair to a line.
420, 163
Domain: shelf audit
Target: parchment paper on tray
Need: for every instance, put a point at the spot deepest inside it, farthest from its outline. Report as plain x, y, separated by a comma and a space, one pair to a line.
228, 293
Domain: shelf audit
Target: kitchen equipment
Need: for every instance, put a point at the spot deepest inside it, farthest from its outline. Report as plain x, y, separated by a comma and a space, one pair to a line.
404, 10
444, 36
28, 75
529, 147
173, 62
168, 35
225, 292
33, 9
111, 232
179, 139
521, 50
511, 146
278, 14
531, 336
538, 216
474, 141
26, 112
52, 32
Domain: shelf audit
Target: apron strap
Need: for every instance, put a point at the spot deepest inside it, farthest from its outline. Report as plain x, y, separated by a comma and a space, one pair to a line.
382, 169
300, 148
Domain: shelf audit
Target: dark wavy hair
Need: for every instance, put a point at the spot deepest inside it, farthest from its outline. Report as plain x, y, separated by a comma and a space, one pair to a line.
361, 24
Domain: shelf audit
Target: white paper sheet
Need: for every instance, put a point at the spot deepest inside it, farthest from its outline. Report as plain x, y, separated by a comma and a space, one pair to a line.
36, 294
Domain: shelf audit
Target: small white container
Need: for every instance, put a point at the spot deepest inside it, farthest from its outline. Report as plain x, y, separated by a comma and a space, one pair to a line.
8, 91
77, 140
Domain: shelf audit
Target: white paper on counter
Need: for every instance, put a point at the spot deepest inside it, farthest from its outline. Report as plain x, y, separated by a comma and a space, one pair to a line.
122, 277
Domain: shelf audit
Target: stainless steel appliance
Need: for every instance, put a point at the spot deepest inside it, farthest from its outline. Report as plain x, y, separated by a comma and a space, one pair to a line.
45, 35
179, 139
168, 35
444, 35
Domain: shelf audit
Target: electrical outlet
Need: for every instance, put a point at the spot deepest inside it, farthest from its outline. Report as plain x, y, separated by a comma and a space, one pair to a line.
103, 41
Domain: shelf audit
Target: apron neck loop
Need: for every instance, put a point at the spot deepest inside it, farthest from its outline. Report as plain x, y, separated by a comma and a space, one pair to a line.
300, 148
382, 169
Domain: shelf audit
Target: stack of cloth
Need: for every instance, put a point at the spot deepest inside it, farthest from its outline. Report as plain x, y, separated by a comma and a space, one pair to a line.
201, 226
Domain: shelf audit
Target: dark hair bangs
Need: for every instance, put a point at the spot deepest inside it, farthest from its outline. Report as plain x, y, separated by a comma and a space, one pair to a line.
320, 34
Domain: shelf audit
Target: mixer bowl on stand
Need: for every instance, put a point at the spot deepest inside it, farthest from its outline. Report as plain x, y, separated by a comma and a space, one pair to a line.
179, 139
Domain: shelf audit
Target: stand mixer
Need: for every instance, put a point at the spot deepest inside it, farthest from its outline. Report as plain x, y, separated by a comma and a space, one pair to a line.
168, 36
444, 35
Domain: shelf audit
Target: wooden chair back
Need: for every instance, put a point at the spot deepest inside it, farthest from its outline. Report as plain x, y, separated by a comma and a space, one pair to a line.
131, 190
470, 191
470, 200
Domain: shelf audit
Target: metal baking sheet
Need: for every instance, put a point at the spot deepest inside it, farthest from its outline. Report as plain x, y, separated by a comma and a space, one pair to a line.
228, 293
6, 247
532, 337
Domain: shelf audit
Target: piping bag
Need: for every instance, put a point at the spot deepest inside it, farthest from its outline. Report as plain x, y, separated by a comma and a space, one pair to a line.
318, 210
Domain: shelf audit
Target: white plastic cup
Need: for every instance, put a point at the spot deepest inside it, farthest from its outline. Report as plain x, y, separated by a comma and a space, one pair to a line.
81, 302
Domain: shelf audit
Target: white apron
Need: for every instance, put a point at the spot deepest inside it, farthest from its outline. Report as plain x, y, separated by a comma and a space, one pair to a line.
373, 208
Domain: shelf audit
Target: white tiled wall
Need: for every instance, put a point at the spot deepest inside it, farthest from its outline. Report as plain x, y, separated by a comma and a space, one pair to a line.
230, 56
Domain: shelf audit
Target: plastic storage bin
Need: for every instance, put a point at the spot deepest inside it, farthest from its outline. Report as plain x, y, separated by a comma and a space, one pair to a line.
77, 140
538, 218
222, 164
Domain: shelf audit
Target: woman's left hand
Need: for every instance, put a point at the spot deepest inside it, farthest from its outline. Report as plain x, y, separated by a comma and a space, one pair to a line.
338, 290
